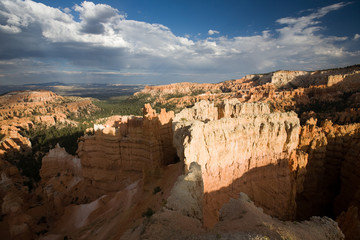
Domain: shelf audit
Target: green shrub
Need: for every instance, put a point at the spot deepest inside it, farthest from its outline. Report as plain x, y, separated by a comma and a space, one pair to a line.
174, 95
157, 189
148, 213
197, 92
123, 105
42, 140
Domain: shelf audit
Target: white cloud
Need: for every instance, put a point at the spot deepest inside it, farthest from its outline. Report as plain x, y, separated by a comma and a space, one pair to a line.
67, 10
9, 29
357, 36
104, 39
95, 16
212, 32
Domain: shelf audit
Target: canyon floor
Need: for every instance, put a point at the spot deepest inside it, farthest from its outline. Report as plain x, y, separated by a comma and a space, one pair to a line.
267, 156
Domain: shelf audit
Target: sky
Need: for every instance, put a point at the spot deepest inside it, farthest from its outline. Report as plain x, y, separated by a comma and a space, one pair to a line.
168, 41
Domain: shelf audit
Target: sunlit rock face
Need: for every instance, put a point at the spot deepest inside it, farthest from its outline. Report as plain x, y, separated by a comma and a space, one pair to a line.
129, 143
325, 94
291, 171
241, 147
25, 110
239, 219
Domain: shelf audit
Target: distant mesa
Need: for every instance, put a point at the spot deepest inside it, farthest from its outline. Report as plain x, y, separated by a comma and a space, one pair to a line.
47, 84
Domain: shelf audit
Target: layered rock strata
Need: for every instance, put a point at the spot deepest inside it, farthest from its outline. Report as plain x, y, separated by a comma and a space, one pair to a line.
128, 144
24, 110
57, 162
292, 172
239, 219
241, 147
15, 222
331, 185
326, 94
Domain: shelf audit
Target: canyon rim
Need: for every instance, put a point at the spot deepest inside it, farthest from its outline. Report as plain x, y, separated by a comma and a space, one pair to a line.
267, 156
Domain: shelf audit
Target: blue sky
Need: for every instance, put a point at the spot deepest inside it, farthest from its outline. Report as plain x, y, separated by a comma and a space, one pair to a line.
160, 42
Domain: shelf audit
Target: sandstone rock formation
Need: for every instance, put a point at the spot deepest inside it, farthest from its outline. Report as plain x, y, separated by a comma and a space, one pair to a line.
292, 172
129, 144
184, 88
23, 212
59, 161
25, 110
13, 142
230, 143
327, 94
276, 137
331, 185
187, 193
15, 222
239, 219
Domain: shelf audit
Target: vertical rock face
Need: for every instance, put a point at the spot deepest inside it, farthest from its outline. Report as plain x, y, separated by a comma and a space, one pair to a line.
283, 78
186, 196
331, 185
127, 144
59, 161
13, 204
241, 147
292, 172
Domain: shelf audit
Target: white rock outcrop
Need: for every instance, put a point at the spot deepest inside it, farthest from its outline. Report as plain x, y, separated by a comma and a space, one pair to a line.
232, 143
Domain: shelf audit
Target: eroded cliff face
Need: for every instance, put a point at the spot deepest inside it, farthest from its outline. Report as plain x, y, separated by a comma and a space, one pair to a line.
331, 185
291, 171
57, 162
128, 147
119, 165
239, 219
241, 147
15, 222
325, 94
249, 145
24, 206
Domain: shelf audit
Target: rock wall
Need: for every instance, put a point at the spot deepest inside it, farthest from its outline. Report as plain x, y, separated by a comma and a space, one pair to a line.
127, 144
331, 186
186, 88
57, 162
326, 94
292, 172
14, 201
241, 147
239, 219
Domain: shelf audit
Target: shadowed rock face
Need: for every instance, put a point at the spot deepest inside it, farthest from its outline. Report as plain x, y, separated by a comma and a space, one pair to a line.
228, 148
331, 185
238, 219
292, 172
110, 178
233, 140
139, 144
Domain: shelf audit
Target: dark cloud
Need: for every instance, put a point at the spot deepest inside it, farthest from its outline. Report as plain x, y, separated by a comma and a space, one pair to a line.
38, 42
93, 27
93, 16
